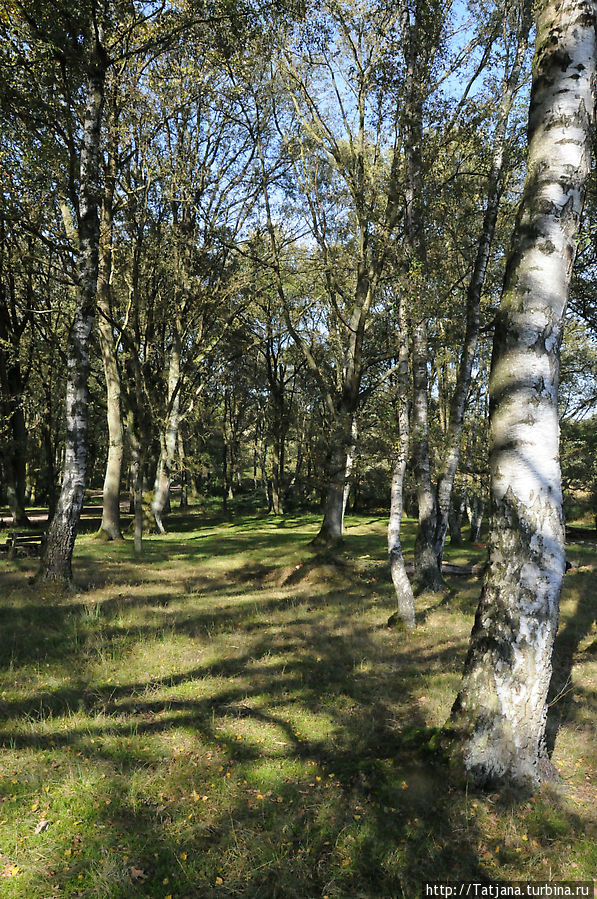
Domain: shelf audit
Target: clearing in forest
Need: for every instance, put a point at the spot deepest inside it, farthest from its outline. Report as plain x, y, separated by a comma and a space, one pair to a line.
231, 716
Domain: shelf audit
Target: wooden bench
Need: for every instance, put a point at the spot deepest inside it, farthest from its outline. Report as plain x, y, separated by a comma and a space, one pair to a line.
23, 544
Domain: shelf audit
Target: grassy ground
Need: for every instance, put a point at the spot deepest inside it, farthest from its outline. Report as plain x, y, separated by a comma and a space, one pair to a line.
232, 717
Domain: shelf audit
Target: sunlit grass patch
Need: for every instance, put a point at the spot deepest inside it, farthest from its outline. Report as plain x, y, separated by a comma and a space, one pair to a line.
231, 716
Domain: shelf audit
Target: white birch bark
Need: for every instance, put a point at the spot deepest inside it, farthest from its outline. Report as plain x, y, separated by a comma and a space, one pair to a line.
136, 482
427, 572
56, 562
501, 708
110, 524
169, 436
185, 477
404, 594
351, 454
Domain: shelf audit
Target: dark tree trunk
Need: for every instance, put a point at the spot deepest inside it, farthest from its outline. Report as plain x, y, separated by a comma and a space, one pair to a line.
332, 527
14, 455
13, 443
456, 513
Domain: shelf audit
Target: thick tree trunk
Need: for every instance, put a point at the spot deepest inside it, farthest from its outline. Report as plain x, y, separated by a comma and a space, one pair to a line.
110, 524
404, 594
451, 457
56, 562
332, 526
501, 708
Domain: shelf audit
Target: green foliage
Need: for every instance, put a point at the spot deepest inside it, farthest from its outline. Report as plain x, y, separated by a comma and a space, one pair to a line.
579, 469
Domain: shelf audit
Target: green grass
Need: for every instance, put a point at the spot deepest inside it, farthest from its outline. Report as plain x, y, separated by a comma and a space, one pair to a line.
231, 717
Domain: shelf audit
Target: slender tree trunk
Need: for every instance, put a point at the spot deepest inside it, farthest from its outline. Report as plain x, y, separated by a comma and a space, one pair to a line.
169, 436
404, 594
256, 444
501, 709
300, 452
277, 500
278, 444
350, 460
15, 456
110, 524
456, 512
427, 572
475, 508
13, 448
56, 562
263, 465
451, 457
136, 469
185, 477
50, 454
228, 451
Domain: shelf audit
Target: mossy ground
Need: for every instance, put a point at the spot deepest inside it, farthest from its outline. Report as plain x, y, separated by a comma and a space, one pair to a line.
230, 716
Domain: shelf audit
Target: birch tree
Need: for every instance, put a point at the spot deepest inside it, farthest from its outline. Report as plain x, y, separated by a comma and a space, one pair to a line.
341, 143
515, 57
422, 48
201, 160
57, 555
501, 708
110, 523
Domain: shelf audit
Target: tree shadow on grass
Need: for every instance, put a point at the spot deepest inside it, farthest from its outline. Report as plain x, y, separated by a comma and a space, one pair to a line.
563, 696
303, 729
377, 827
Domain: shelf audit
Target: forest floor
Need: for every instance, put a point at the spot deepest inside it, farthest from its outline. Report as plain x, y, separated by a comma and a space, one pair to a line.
231, 716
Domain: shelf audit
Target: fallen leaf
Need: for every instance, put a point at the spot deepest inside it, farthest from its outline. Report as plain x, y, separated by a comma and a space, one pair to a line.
10, 870
42, 825
137, 873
